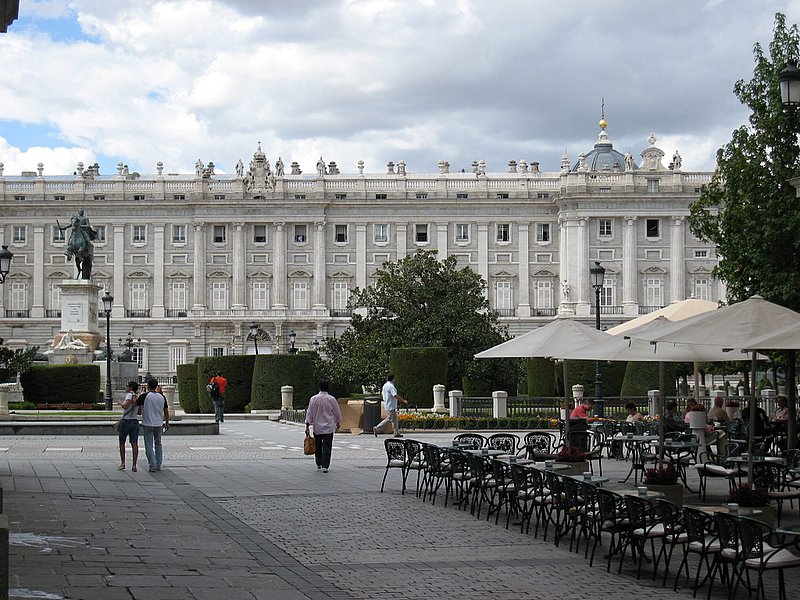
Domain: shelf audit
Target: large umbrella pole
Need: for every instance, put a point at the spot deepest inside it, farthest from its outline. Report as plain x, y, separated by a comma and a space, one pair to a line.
660, 406
791, 392
567, 410
751, 429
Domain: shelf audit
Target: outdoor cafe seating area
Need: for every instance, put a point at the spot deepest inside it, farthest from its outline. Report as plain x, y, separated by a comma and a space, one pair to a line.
607, 514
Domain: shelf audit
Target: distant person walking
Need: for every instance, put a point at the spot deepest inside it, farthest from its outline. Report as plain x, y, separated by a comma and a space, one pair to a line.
324, 416
155, 420
390, 398
129, 426
218, 396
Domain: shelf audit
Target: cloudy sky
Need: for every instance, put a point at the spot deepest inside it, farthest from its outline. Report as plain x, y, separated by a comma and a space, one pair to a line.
371, 80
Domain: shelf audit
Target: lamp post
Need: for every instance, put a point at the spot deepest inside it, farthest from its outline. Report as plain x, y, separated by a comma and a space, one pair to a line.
597, 273
292, 338
789, 80
5, 263
256, 334
108, 305
128, 343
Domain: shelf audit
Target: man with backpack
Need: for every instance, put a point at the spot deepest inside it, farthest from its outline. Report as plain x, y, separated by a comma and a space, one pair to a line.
216, 388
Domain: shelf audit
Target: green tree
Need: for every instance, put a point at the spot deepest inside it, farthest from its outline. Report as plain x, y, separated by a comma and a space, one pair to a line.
16, 361
417, 301
749, 210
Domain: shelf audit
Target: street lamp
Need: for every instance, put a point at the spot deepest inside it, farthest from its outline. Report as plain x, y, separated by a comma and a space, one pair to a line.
256, 334
292, 338
108, 305
315, 343
5, 263
789, 80
128, 343
597, 273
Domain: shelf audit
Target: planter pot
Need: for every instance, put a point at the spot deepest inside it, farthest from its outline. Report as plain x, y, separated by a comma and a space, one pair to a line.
672, 492
575, 468
697, 419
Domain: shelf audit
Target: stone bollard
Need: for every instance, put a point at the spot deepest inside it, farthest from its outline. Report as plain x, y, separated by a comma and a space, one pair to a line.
455, 402
438, 398
170, 394
287, 397
697, 423
499, 404
768, 402
653, 397
3, 400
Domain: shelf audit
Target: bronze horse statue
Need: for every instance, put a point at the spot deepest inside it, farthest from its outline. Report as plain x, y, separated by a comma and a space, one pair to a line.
79, 245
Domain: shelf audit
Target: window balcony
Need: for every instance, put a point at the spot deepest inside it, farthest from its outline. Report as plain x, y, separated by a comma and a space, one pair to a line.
17, 314
644, 309
505, 312
138, 313
545, 312
52, 313
176, 312
608, 310
341, 312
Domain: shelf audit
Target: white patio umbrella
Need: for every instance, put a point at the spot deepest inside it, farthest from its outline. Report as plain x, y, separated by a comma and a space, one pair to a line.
549, 341
677, 311
737, 326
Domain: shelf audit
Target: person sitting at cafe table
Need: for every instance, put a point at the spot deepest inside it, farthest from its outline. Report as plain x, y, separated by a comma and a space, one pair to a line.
762, 420
693, 406
582, 410
633, 413
718, 412
672, 421
782, 412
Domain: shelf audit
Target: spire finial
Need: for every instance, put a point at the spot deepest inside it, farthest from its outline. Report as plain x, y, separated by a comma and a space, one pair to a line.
603, 123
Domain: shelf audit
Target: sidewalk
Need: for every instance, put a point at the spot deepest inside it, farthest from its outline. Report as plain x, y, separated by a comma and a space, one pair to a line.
273, 528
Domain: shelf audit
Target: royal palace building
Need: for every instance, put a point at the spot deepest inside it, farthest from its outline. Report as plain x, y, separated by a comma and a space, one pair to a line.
193, 260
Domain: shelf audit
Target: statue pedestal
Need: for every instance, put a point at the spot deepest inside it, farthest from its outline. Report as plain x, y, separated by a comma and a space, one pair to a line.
79, 300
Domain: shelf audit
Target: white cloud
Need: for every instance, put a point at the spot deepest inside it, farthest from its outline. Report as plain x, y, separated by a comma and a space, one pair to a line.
382, 80
55, 160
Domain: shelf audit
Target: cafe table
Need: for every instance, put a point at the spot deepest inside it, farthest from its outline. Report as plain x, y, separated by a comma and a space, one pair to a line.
757, 460
789, 531
651, 495
516, 461
541, 466
743, 511
490, 452
594, 479
673, 449
635, 444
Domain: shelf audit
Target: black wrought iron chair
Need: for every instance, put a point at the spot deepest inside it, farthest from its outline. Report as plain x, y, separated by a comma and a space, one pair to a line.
759, 556
507, 442
501, 490
729, 551
415, 457
700, 541
668, 515
538, 445
643, 526
475, 440
396, 458
613, 522
711, 467
437, 472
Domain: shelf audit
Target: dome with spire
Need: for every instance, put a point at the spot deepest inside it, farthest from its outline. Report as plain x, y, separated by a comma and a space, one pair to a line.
603, 157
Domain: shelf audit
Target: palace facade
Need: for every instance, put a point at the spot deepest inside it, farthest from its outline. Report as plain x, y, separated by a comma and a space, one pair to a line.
193, 259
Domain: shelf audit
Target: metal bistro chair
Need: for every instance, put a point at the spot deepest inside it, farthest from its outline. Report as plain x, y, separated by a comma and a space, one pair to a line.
396, 458
612, 521
642, 527
415, 455
507, 442
538, 445
668, 515
700, 541
759, 556
436, 473
475, 440
729, 551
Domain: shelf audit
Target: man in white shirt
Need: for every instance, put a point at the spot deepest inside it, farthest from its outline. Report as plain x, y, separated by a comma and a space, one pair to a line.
155, 416
390, 398
324, 416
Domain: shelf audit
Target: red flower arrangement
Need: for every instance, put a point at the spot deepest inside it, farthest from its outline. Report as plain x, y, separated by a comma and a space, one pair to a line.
570, 454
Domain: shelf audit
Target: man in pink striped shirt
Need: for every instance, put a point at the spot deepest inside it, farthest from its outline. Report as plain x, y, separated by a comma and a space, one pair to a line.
324, 416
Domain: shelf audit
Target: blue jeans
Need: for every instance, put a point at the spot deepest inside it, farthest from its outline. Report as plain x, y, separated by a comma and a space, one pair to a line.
152, 446
219, 405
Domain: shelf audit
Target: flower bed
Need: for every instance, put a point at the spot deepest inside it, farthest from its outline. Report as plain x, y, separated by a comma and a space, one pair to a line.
434, 421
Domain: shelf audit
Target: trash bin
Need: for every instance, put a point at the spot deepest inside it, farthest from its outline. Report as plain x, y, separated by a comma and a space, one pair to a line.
372, 412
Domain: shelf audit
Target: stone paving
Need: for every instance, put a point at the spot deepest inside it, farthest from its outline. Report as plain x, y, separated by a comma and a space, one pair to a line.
227, 519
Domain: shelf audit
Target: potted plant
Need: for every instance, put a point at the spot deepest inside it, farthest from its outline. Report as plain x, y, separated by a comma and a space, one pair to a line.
697, 417
665, 480
575, 458
748, 496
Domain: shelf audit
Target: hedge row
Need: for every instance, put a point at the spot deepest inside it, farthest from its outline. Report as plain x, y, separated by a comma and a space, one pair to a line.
416, 371
238, 370
476, 423
272, 371
187, 388
61, 384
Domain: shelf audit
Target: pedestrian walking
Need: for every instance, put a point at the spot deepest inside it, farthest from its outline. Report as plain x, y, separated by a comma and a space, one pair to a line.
390, 399
129, 426
324, 416
155, 421
218, 386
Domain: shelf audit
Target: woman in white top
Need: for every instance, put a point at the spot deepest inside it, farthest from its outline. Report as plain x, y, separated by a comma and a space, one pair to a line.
633, 414
129, 426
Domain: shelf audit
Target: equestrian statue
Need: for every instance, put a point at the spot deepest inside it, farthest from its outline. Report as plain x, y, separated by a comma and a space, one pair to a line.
80, 244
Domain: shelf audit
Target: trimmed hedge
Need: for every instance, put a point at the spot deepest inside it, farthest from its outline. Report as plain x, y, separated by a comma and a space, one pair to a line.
416, 371
541, 377
187, 388
643, 376
61, 384
272, 371
583, 372
237, 369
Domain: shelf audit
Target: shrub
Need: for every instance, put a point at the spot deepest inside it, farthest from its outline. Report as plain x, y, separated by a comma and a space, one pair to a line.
541, 377
416, 371
187, 388
660, 476
643, 376
61, 384
238, 370
272, 371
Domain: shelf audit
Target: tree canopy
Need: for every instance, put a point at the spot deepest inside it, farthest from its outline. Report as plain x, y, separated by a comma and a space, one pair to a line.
749, 210
415, 301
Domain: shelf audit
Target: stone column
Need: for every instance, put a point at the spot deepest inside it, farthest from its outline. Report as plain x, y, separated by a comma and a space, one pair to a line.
402, 240
239, 277
361, 256
37, 309
441, 240
320, 279
524, 307
438, 398
455, 402
677, 260
158, 271
500, 404
483, 254
119, 273
279, 267
287, 397
630, 280
199, 274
